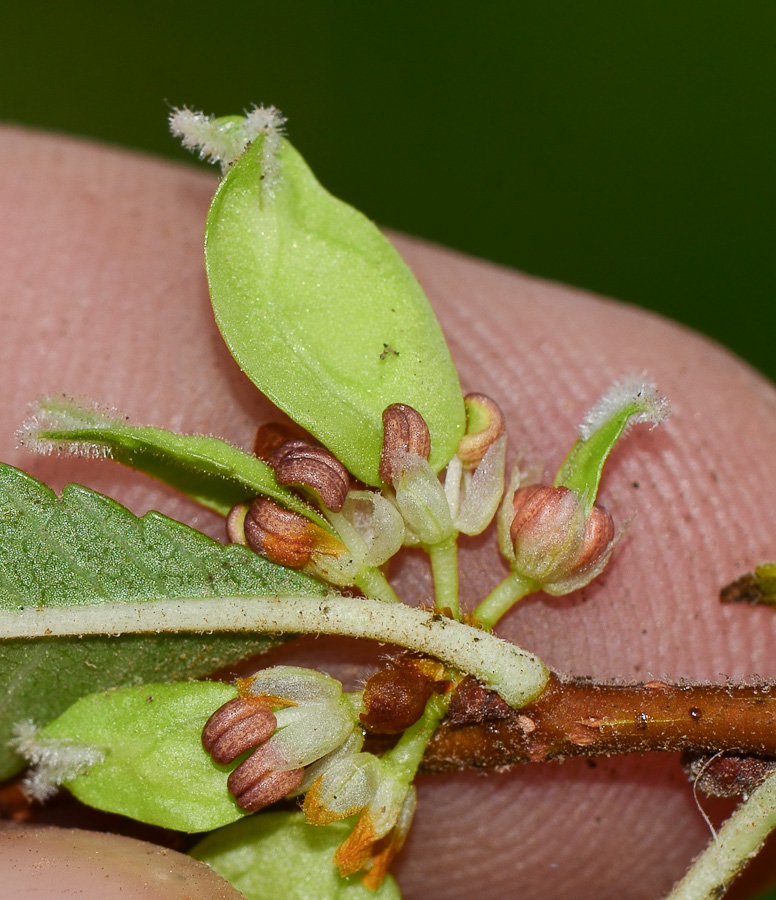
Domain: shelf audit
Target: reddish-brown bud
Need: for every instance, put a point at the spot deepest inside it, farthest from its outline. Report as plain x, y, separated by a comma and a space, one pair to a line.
404, 431
553, 539
237, 726
485, 425
395, 698
302, 464
284, 536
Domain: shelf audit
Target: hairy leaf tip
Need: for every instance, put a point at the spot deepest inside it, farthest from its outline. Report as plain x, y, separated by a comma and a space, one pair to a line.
62, 414
223, 140
632, 394
55, 761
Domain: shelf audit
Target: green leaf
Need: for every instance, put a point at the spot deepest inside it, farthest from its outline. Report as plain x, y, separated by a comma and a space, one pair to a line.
323, 315
154, 768
625, 403
279, 854
207, 469
87, 549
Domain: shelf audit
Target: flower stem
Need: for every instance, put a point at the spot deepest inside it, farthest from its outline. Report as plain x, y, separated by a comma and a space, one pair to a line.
444, 566
518, 676
374, 584
406, 756
502, 598
732, 848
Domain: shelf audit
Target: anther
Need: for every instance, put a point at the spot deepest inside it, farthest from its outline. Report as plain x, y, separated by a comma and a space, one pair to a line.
404, 432
236, 727
485, 425
302, 464
283, 536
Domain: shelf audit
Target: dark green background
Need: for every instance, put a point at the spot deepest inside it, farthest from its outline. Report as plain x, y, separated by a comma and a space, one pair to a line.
623, 147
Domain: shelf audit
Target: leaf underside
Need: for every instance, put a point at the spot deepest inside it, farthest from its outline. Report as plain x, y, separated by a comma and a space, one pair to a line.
323, 315
85, 548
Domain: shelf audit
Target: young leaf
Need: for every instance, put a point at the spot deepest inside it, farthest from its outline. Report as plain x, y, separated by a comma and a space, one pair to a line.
87, 549
280, 855
207, 469
322, 313
154, 768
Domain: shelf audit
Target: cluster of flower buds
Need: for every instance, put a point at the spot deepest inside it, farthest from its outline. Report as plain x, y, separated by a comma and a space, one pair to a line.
306, 738
366, 530
474, 480
290, 717
351, 782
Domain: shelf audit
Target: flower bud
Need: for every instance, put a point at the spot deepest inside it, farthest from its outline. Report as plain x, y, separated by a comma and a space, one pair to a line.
292, 717
556, 544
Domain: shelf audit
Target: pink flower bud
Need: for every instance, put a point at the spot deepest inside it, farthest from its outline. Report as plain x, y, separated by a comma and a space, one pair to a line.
555, 543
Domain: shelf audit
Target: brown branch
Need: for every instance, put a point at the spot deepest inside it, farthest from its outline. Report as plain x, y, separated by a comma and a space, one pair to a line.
582, 718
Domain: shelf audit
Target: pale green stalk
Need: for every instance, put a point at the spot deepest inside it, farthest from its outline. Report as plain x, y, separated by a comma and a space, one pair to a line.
502, 598
734, 845
406, 756
444, 567
372, 583
518, 676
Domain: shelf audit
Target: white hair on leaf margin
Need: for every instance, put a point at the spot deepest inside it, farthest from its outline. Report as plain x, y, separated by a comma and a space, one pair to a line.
633, 391
224, 140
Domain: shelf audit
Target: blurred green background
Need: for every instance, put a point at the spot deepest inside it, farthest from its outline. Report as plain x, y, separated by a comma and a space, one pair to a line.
623, 147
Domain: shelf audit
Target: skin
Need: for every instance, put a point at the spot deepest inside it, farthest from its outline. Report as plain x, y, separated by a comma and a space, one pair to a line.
104, 295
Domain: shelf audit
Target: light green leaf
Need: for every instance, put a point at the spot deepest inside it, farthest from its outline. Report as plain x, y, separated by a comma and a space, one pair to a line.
207, 469
627, 402
322, 313
87, 549
279, 854
154, 769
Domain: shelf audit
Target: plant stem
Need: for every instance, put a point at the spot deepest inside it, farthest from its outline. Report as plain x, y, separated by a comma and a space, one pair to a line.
736, 843
580, 718
374, 584
516, 675
444, 566
502, 598
407, 755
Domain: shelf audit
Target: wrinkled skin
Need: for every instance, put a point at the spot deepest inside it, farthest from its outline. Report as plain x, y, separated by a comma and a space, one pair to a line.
104, 296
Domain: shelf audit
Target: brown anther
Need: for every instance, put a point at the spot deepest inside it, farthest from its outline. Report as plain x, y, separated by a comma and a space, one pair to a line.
254, 786
485, 425
729, 775
272, 435
236, 727
302, 464
284, 536
235, 523
404, 431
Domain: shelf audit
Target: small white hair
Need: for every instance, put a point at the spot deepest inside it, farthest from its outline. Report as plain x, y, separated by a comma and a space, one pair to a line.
224, 140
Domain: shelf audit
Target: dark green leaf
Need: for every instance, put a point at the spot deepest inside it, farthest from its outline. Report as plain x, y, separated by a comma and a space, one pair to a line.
85, 548
323, 315
207, 469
